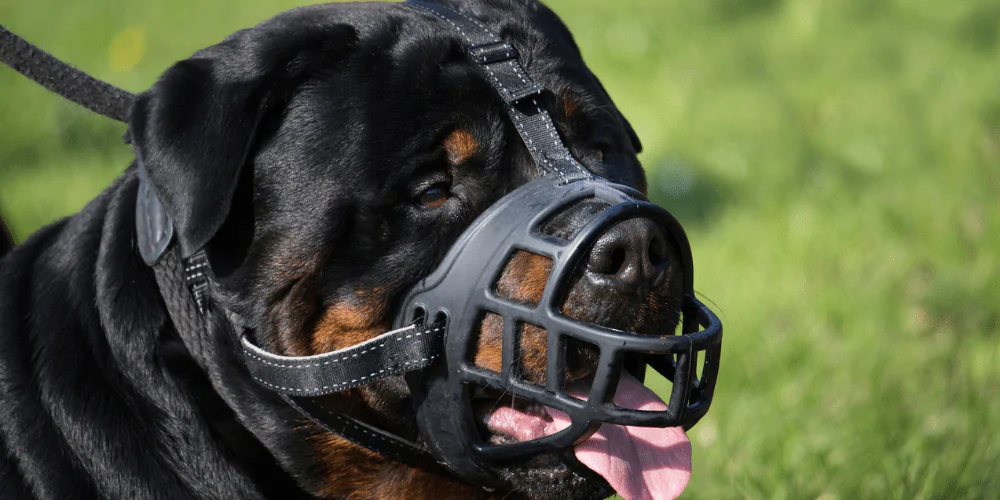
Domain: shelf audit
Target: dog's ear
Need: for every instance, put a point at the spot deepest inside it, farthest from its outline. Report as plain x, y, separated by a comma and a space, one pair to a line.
197, 126
632, 136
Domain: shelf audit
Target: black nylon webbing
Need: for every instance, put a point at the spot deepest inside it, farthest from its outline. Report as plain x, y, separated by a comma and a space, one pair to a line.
386, 444
520, 93
392, 353
181, 306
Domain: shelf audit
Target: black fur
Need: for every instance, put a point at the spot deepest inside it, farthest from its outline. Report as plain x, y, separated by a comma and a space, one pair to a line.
293, 152
6, 240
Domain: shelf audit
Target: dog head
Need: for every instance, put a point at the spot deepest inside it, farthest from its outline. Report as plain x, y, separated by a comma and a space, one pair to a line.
328, 158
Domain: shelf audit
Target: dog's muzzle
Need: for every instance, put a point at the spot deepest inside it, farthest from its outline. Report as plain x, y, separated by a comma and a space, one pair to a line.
463, 289
438, 329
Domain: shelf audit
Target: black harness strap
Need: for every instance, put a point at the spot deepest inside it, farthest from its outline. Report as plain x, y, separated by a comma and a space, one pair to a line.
391, 353
522, 96
63, 79
181, 306
367, 436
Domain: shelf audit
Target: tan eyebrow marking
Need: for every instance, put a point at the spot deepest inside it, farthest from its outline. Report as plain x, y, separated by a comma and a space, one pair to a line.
461, 146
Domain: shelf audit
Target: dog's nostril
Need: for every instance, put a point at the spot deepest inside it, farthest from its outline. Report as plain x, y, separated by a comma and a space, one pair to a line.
632, 254
658, 250
617, 261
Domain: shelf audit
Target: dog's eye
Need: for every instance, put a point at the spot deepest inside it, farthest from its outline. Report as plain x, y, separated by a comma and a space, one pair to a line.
433, 197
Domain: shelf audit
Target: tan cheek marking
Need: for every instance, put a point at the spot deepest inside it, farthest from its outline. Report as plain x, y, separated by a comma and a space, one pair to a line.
523, 280
534, 346
569, 105
348, 323
461, 146
405, 483
348, 471
489, 344
356, 473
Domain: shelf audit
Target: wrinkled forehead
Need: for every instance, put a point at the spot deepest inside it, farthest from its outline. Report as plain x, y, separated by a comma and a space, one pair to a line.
406, 83
411, 37
384, 112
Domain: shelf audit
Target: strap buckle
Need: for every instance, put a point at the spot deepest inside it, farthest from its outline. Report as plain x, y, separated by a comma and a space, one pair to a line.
493, 52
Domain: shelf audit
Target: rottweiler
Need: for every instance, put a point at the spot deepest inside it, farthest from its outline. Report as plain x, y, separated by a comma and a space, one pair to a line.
325, 159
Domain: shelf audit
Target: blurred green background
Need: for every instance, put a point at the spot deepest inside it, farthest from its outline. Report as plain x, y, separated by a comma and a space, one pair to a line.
837, 165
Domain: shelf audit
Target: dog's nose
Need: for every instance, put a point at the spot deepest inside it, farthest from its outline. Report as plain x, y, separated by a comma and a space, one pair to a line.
631, 256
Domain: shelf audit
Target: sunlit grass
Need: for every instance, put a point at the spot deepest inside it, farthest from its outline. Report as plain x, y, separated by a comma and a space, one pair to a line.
837, 165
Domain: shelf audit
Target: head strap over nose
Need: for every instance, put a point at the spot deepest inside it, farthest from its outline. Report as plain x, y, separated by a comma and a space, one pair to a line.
522, 97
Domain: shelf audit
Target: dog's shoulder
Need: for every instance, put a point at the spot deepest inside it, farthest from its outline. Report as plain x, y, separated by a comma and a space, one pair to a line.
91, 408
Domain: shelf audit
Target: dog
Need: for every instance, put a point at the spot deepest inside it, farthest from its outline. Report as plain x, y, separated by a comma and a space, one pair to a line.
326, 160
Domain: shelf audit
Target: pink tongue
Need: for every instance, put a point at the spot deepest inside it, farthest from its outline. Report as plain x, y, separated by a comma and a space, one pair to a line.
640, 463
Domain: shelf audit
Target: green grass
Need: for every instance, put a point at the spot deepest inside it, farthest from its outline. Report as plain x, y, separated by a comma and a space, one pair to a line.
837, 165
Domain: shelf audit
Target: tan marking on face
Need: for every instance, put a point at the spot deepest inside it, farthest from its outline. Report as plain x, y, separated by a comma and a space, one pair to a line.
534, 348
304, 327
460, 146
350, 471
523, 280
351, 322
405, 483
489, 344
569, 105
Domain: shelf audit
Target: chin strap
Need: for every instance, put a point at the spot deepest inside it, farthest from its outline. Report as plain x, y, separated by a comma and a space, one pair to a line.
298, 379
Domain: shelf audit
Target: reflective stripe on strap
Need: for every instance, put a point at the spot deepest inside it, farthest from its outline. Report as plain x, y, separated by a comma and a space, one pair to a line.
520, 93
391, 353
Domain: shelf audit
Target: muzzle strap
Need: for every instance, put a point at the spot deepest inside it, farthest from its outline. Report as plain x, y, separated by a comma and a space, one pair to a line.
377, 440
521, 95
391, 353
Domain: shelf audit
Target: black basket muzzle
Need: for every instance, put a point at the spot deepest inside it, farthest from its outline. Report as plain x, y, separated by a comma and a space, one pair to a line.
463, 288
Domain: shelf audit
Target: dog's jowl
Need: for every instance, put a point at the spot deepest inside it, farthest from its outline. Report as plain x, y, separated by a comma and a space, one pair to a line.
302, 193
